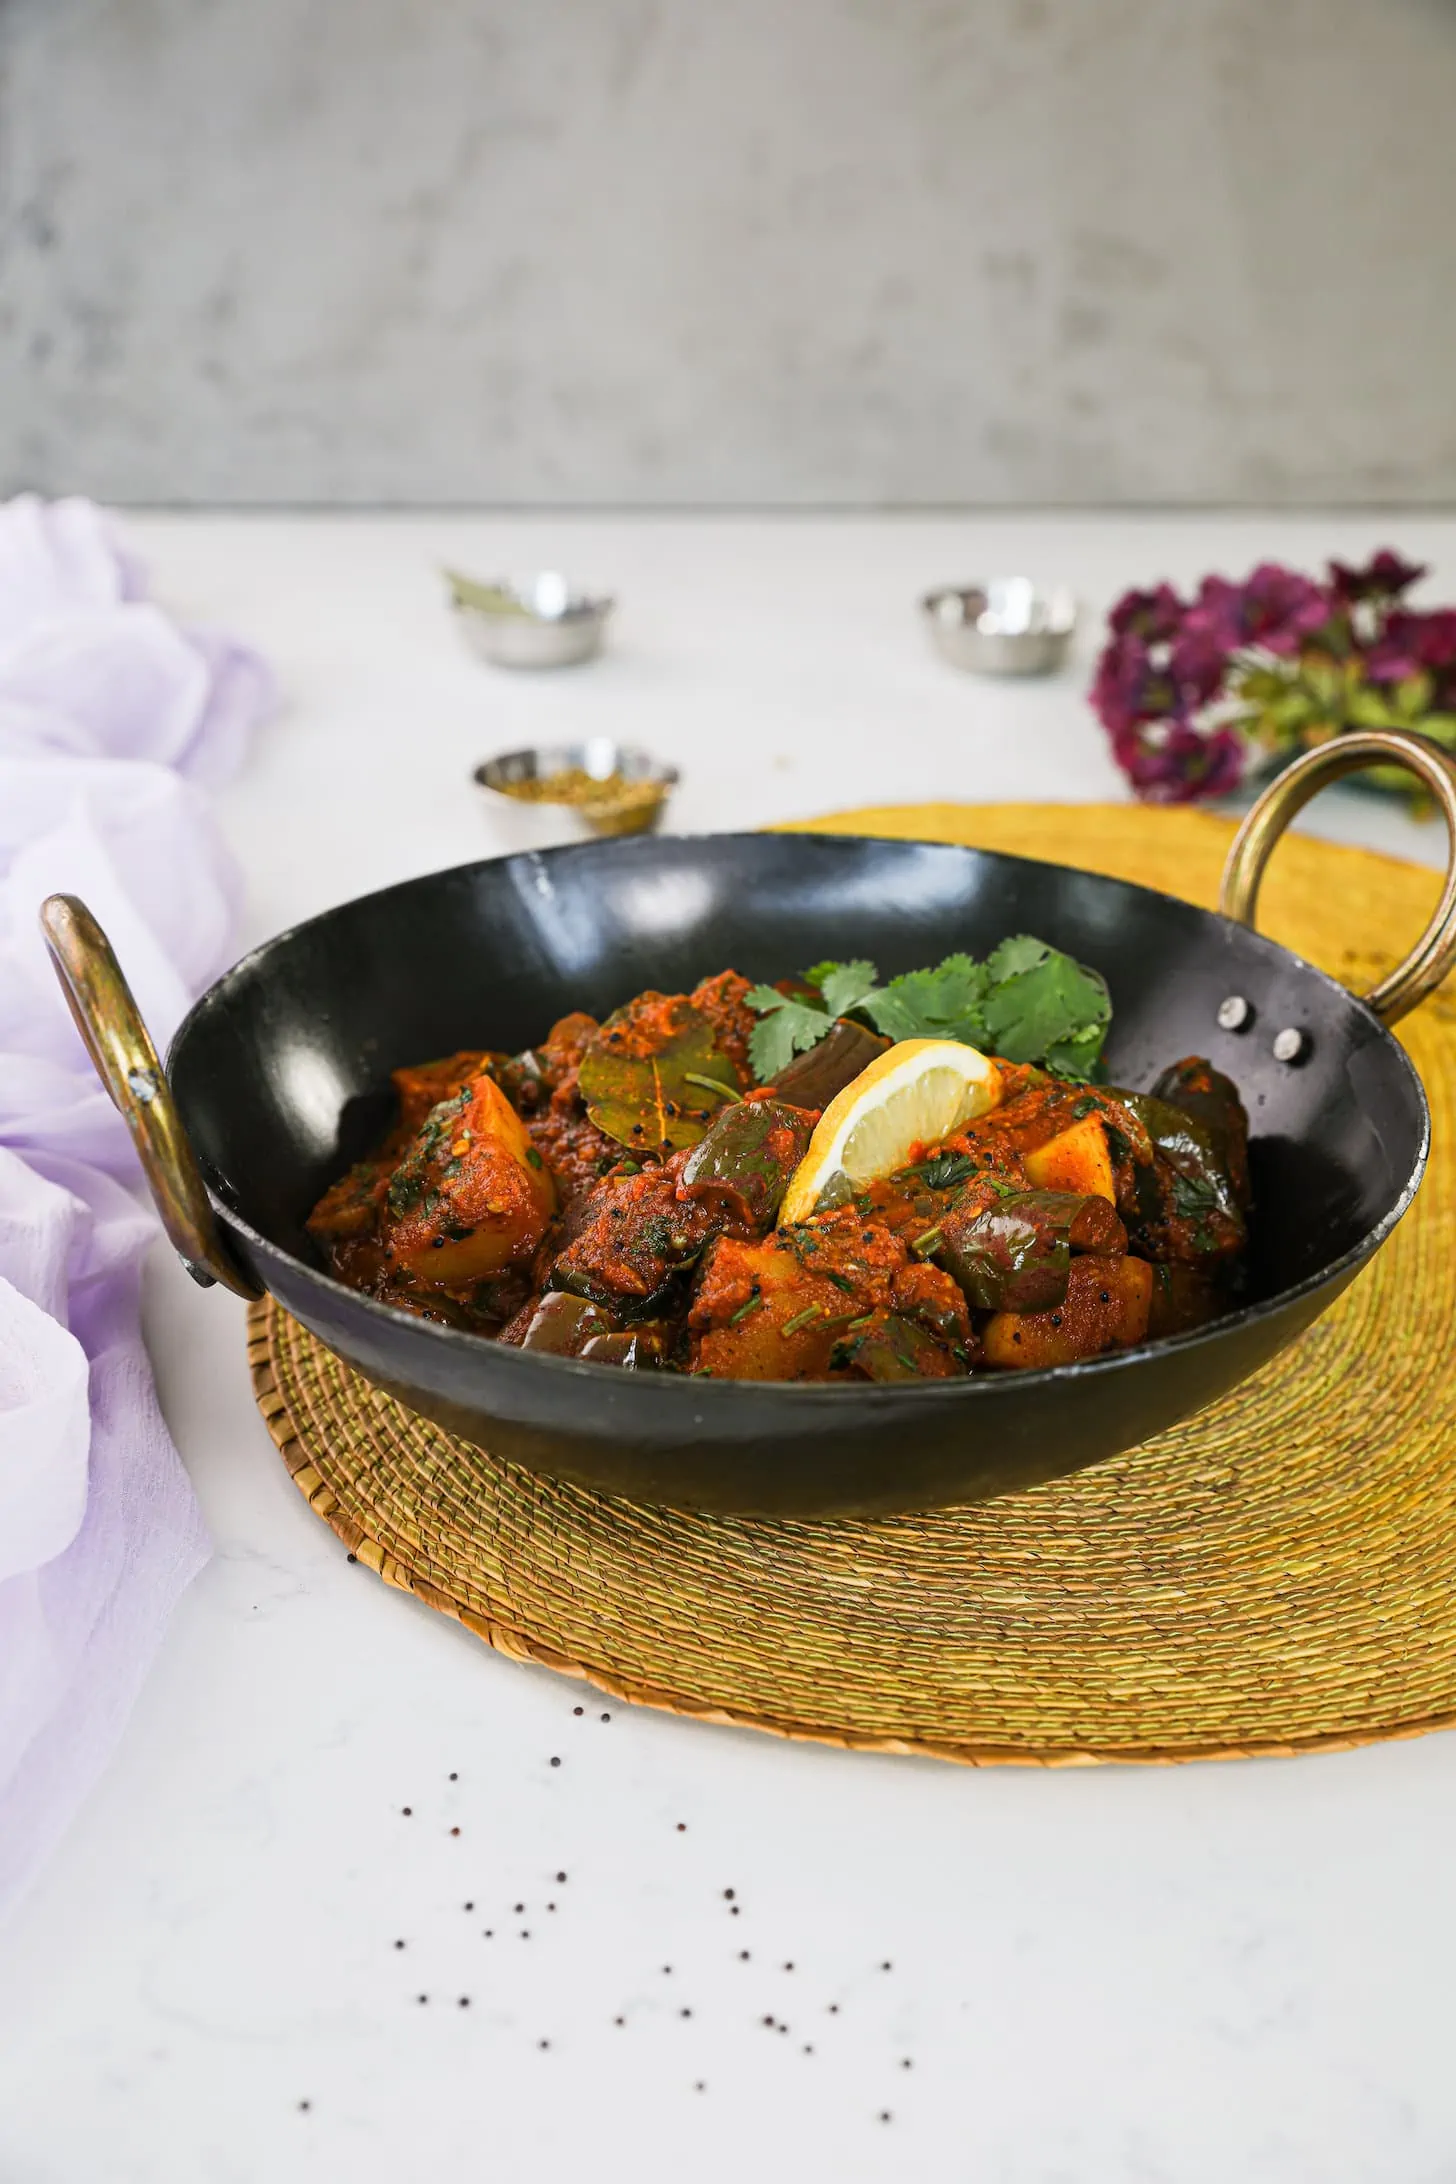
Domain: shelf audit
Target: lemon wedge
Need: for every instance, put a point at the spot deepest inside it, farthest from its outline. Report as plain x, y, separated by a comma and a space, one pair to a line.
914, 1094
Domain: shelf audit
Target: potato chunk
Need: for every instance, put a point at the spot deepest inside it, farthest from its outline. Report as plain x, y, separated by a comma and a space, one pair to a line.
772, 1311
1076, 1161
1106, 1308
471, 1195
422, 1087
760, 1314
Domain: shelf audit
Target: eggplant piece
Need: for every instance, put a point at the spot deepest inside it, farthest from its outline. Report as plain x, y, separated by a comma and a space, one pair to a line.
1184, 1297
523, 1079
888, 1347
632, 1348
743, 1165
1016, 1255
565, 1325
1212, 1099
1184, 1141
813, 1079
1186, 1205
931, 1297
639, 1233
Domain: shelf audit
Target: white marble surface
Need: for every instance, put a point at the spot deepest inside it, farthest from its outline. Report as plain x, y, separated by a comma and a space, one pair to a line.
655, 253
1134, 1977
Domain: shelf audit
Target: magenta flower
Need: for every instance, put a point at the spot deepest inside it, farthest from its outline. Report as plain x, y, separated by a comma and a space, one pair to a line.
1275, 609
1198, 664
1412, 642
1186, 689
1435, 637
1155, 616
1384, 576
1129, 686
1169, 762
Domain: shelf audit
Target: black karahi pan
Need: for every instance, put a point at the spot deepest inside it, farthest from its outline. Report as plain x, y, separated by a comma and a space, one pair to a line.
279, 1078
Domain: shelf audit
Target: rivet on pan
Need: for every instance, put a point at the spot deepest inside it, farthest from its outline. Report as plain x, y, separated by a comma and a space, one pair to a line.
1290, 1045
1235, 1014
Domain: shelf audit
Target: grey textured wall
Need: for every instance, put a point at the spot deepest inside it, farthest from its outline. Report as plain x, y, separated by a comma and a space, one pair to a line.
665, 252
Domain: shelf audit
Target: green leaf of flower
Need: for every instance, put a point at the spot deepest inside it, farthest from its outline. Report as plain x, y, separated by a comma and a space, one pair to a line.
1368, 709
1260, 686
1324, 679
1411, 696
1288, 714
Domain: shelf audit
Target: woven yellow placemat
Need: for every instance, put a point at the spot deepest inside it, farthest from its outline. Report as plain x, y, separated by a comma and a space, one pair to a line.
1276, 1575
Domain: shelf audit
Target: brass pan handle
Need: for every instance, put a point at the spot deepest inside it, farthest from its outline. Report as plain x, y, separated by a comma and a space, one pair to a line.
1435, 951
125, 1060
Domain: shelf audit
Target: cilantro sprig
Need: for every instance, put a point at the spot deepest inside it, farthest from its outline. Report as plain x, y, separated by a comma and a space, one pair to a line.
1027, 1002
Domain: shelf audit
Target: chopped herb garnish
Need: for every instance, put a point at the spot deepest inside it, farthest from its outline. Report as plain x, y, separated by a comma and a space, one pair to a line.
744, 1309
946, 1170
1194, 1195
801, 1319
406, 1191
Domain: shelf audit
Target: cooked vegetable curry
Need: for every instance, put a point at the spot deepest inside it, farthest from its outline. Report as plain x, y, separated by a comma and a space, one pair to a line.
613, 1194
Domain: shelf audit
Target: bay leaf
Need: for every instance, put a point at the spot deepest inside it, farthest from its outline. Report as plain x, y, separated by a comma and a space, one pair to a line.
635, 1076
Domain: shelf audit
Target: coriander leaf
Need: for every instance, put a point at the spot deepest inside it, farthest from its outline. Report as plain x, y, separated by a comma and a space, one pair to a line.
844, 985
1021, 952
1048, 1006
946, 1002
765, 997
1028, 1002
786, 1028
890, 1015
1077, 1058
941, 1004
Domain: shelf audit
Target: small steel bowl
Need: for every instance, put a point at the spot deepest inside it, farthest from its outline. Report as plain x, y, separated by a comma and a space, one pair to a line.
635, 791
536, 621
1006, 627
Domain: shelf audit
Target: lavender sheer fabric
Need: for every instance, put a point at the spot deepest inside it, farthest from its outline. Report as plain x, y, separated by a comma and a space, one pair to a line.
113, 723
